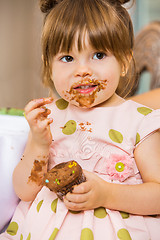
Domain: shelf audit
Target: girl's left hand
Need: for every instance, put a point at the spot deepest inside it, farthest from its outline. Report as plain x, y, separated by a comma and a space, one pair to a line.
87, 195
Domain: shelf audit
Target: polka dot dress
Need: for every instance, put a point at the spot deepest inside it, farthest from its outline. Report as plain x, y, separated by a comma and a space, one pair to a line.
101, 140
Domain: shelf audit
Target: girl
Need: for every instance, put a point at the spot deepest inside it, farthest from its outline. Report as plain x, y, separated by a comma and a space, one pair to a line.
87, 47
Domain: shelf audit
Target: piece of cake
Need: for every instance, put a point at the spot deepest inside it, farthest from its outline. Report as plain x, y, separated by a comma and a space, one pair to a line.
62, 177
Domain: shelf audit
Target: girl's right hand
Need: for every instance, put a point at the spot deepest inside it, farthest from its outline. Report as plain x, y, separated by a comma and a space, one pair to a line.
37, 116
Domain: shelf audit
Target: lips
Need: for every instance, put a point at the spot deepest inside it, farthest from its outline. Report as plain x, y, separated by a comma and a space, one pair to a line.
85, 88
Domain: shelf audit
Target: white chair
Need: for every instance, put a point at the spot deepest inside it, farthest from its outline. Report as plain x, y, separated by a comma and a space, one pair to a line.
13, 137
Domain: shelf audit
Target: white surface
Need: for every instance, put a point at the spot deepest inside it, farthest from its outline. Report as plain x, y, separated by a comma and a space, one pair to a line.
13, 136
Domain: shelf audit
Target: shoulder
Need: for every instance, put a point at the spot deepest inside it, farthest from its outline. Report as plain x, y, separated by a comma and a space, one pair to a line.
130, 113
138, 107
138, 113
147, 156
136, 120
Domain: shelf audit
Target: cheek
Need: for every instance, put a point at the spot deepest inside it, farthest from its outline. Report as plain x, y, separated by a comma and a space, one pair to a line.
57, 79
112, 84
59, 87
116, 72
111, 71
113, 79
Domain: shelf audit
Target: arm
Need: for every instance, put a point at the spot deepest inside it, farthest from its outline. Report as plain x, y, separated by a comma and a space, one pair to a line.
27, 176
143, 199
150, 99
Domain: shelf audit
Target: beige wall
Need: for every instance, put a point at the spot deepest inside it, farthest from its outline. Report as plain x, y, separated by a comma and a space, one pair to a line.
20, 52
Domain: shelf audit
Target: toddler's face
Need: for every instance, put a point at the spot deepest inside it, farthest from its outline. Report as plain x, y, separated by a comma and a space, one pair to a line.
85, 78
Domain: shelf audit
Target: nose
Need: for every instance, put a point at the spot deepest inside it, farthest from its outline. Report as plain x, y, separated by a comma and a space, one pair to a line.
83, 70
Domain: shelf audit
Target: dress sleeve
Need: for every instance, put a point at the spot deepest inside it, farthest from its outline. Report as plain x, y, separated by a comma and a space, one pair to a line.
149, 125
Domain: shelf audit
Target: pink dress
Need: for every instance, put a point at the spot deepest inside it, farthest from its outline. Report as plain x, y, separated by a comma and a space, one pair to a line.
102, 140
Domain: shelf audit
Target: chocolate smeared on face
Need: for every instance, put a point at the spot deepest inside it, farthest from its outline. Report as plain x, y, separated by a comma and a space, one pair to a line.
86, 99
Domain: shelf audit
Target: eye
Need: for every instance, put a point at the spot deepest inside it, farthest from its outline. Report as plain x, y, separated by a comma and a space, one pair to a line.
99, 55
67, 58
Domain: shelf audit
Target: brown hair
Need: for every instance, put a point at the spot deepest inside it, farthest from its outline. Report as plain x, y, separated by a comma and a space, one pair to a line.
106, 22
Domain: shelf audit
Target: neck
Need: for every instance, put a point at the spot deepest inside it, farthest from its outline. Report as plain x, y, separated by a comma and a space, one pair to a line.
114, 100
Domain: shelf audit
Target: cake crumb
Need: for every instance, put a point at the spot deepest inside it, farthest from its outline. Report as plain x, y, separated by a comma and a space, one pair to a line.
84, 126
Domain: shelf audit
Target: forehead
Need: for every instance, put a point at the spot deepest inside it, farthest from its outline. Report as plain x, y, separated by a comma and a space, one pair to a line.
81, 41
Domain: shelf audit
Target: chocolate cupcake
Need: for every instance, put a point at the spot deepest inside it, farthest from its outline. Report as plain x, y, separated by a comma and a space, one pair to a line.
61, 178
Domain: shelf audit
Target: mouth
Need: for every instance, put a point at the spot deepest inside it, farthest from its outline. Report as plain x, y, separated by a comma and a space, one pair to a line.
85, 92
85, 88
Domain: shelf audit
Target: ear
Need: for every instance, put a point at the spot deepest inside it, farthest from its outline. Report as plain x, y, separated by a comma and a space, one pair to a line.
126, 65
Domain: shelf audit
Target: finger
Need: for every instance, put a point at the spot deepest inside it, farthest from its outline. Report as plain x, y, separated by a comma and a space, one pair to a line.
87, 173
82, 188
90, 175
34, 114
76, 198
42, 124
37, 103
74, 206
46, 111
